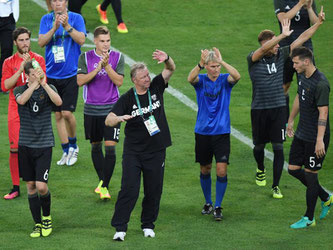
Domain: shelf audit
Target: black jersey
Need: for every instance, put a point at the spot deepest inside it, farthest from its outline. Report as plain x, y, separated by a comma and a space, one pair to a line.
267, 80
313, 92
35, 119
299, 23
137, 138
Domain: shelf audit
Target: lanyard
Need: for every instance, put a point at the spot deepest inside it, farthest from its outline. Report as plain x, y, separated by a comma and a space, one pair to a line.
138, 103
63, 32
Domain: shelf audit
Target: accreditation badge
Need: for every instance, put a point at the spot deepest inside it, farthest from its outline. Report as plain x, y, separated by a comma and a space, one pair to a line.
152, 126
59, 54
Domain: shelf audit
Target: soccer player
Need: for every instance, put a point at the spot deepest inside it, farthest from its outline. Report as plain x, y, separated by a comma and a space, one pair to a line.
13, 76
116, 6
101, 72
212, 129
312, 136
63, 33
302, 14
147, 136
268, 106
35, 144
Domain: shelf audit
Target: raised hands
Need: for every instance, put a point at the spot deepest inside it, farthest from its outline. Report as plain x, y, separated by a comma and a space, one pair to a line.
321, 15
204, 55
218, 55
160, 56
26, 58
286, 27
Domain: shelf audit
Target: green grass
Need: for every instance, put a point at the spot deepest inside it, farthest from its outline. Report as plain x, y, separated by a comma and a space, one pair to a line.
253, 220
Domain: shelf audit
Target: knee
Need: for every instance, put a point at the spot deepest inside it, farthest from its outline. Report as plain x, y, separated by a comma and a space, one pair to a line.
67, 115
58, 116
42, 188
96, 147
205, 170
31, 187
110, 150
277, 146
221, 170
259, 147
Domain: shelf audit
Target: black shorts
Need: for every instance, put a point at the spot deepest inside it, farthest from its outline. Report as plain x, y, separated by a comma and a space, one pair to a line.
268, 125
208, 145
95, 129
68, 90
303, 153
34, 163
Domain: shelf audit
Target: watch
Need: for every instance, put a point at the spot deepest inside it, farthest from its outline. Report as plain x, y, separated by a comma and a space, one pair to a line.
70, 30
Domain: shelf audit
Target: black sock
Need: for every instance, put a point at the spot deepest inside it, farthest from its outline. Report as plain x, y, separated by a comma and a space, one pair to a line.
16, 188
323, 195
116, 6
98, 159
277, 166
110, 162
312, 192
259, 154
45, 202
34, 204
298, 174
105, 4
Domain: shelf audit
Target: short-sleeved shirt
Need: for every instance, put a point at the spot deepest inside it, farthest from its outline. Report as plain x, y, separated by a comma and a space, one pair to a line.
35, 118
267, 79
72, 50
10, 66
213, 100
299, 23
137, 138
313, 92
100, 93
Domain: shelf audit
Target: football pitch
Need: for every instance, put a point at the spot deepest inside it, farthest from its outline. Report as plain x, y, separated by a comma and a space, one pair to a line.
252, 218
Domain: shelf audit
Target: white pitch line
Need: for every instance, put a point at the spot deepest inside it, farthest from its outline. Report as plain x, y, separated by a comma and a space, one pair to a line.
179, 96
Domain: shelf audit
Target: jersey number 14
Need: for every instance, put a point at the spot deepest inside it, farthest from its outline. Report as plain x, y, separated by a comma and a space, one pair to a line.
271, 68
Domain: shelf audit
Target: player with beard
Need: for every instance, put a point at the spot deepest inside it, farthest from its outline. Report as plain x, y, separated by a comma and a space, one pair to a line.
13, 76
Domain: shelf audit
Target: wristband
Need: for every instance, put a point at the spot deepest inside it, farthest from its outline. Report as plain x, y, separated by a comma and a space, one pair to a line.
201, 68
70, 30
167, 59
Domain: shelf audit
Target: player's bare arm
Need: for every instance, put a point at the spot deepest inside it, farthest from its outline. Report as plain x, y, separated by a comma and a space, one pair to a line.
293, 114
169, 64
322, 121
234, 75
268, 45
193, 76
309, 32
292, 13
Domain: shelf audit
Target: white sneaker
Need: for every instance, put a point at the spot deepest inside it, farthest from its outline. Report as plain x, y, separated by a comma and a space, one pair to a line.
148, 232
120, 236
72, 156
63, 160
